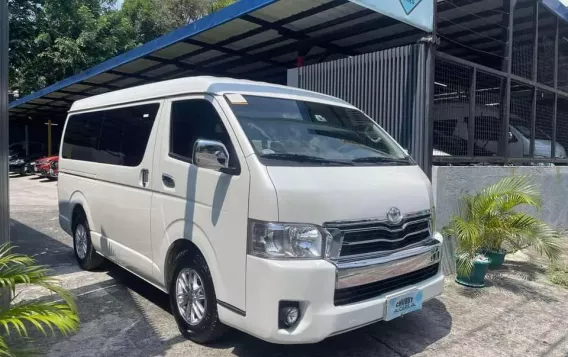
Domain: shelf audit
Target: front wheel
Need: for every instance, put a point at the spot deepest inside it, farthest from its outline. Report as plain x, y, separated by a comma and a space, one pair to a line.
193, 300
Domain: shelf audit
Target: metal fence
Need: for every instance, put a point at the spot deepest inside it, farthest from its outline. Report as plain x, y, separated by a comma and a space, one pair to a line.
479, 121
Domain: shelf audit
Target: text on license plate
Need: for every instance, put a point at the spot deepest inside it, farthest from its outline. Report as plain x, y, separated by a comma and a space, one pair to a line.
403, 304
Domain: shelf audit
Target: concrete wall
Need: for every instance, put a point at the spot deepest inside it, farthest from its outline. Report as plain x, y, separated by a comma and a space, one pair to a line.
451, 182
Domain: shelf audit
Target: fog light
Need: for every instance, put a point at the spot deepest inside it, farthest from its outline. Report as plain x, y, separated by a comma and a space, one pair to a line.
289, 314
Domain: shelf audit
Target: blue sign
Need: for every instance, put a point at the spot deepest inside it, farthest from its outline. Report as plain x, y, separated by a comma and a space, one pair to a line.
417, 13
558, 7
409, 5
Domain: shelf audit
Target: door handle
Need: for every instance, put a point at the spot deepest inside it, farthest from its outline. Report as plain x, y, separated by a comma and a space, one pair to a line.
144, 177
168, 181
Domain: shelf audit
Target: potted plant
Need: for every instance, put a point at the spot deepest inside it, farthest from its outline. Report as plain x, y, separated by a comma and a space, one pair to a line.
488, 223
471, 263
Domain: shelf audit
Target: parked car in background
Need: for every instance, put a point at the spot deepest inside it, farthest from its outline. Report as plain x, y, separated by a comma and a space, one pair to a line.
287, 214
21, 164
20, 161
452, 119
44, 167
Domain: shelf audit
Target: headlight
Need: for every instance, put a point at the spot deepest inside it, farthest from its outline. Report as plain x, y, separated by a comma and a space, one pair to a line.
286, 241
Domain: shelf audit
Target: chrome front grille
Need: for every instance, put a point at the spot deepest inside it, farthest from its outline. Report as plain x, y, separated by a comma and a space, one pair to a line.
364, 237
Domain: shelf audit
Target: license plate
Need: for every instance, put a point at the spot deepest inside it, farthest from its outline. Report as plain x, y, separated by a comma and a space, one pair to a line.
403, 304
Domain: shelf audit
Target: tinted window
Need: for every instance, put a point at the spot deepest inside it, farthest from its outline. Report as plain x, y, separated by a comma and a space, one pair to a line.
196, 119
81, 136
116, 137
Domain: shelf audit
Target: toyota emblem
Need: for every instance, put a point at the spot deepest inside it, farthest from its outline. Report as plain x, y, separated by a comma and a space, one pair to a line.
394, 215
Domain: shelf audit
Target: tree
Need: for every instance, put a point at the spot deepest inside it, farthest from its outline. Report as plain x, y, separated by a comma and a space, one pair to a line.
68, 37
143, 15
219, 4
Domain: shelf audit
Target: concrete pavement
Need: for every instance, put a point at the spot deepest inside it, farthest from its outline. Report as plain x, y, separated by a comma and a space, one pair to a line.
518, 315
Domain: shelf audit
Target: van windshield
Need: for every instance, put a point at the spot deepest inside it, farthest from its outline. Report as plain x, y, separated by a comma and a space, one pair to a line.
294, 132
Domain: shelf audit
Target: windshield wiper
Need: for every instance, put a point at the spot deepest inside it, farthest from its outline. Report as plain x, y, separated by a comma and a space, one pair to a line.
305, 158
380, 159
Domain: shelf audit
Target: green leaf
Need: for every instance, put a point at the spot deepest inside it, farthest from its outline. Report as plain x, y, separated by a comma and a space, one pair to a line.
45, 317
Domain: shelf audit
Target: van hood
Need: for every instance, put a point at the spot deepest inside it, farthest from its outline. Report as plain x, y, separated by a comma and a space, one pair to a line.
322, 194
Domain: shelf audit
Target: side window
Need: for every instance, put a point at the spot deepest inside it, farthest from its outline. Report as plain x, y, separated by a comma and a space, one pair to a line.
196, 119
116, 137
81, 136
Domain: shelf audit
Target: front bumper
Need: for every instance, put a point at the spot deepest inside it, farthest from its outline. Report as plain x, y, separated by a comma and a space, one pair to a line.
313, 284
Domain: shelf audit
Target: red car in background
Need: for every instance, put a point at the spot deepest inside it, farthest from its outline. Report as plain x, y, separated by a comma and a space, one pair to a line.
47, 167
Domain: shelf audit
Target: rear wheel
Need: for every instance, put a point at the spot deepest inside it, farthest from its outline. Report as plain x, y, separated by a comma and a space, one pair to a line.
85, 253
193, 300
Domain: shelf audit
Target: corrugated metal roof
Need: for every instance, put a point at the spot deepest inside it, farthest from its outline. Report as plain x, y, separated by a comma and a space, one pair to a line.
251, 39
261, 39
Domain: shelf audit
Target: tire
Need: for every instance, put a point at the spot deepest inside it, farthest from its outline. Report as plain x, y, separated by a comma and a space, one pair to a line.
85, 254
208, 328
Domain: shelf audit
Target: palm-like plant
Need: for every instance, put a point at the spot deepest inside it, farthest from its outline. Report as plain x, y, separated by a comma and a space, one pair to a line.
16, 269
488, 220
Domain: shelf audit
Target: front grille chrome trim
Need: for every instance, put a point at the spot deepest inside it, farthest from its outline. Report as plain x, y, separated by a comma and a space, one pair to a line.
387, 240
362, 272
387, 228
362, 238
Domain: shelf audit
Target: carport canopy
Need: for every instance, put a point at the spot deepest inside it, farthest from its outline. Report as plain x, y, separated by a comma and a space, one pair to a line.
251, 39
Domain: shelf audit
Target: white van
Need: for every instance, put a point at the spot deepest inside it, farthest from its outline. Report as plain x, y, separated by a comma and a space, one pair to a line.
452, 119
284, 213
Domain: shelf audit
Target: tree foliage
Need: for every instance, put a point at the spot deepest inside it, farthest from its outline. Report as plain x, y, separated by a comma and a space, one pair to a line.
54, 39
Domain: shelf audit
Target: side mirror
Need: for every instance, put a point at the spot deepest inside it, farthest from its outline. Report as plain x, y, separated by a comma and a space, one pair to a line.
512, 138
210, 154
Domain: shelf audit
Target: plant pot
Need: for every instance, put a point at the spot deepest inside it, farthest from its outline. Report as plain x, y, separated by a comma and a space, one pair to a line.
497, 258
476, 279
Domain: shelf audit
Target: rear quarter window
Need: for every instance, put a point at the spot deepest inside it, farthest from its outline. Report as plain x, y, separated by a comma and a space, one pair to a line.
116, 136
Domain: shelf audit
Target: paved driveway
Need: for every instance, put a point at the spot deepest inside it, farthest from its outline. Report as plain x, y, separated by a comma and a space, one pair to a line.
518, 315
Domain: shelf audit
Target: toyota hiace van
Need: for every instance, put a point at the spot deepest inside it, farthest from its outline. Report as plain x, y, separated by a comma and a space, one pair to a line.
287, 214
